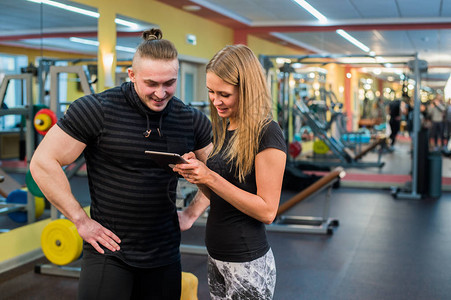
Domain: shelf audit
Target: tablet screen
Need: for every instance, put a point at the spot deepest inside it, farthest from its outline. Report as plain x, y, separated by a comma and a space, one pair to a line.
166, 160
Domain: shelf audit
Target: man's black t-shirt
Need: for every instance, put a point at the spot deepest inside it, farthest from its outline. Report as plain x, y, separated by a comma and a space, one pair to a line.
130, 194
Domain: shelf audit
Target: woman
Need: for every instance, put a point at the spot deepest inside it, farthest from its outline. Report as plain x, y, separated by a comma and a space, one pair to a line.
242, 180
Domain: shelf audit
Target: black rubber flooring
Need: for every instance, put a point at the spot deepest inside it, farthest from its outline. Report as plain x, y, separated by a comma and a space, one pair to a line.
384, 248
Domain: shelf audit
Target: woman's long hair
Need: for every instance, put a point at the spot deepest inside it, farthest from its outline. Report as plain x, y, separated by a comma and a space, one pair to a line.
237, 65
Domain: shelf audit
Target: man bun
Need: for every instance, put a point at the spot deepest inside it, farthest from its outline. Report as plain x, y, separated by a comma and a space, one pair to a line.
152, 34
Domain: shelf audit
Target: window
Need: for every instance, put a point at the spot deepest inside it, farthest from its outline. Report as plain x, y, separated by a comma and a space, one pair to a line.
15, 93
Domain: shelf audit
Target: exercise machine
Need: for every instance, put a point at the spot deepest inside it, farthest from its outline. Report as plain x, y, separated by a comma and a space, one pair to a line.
323, 116
26, 111
308, 224
343, 155
411, 191
289, 223
60, 241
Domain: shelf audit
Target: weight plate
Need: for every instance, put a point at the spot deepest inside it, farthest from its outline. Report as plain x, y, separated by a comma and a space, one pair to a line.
61, 242
32, 186
44, 120
20, 197
320, 147
17, 197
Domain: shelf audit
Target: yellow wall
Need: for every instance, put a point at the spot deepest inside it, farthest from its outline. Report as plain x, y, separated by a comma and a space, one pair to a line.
174, 23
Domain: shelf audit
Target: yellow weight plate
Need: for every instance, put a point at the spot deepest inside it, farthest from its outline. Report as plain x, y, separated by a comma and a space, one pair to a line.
42, 122
320, 147
61, 242
39, 206
189, 286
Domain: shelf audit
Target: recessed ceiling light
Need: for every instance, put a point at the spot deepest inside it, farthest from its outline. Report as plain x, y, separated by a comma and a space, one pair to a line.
352, 40
84, 12
312, 10
191, 7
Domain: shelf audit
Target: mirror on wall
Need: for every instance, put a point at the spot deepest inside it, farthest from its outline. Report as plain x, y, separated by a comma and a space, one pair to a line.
60, 29
36, 25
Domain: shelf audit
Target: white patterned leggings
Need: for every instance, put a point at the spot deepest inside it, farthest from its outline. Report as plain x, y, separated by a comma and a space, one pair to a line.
248, 280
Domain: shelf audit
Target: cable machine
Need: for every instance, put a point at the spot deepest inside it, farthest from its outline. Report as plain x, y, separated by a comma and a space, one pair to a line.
417, 67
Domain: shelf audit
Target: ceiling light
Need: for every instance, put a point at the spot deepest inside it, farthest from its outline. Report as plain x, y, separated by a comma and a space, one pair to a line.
220, 10
352, 40
82, 11
305, 5
191, 7
68, 7
296, 42
126, 23
281, 60
84, 41
125, 49
96, 44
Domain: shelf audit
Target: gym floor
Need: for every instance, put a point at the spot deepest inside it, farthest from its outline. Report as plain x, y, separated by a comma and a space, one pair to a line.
384, 248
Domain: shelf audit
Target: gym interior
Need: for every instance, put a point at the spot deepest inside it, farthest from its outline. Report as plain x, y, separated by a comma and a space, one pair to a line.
364, 207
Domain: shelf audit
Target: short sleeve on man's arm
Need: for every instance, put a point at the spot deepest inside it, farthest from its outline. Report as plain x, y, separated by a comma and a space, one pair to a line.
83, 119
202, 130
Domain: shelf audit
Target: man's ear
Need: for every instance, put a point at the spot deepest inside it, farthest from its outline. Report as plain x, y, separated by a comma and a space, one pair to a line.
131, 74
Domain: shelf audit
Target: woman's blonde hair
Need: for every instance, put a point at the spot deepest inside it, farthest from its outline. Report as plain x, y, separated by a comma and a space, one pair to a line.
237, 65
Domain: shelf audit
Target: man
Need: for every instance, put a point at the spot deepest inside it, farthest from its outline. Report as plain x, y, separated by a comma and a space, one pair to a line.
131, 241
436, 113
395, 110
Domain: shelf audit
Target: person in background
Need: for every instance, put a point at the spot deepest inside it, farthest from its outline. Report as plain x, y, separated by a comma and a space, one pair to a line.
395, 110
132, 237
447, 123
408, 117
378, 112
242, 179
366, 109
436, 112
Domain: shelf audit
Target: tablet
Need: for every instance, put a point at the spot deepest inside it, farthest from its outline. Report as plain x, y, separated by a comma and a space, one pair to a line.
166, 159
